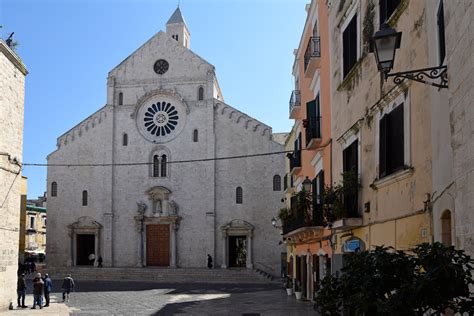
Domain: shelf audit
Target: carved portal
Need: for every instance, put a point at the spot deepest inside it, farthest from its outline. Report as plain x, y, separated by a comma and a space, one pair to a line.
85, 225
163, 212
237, 227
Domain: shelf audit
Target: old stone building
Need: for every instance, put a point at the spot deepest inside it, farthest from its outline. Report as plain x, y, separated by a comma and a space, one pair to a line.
12, 95
456, 219
153, 192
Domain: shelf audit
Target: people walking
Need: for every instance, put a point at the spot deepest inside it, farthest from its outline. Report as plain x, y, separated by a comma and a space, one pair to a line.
48, 287
21, 290
38, 286
209, 261
33, 267
68, 286
99, 262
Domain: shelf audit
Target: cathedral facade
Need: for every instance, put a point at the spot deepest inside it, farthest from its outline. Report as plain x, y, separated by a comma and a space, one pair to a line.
147, 180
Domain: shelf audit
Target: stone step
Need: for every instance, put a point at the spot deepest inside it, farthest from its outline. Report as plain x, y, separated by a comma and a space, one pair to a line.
194, 275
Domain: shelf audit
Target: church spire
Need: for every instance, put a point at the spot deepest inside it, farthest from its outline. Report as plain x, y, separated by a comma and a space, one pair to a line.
176, 28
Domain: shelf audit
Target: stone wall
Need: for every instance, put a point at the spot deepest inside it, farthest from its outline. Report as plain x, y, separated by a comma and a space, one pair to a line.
459, 21
358, 103
204, 191
12, 91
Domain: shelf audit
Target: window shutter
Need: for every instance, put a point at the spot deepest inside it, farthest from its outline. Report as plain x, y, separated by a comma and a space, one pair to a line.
441, 34
383, 147
396, 139
321, 186
383, 11
353, 41
346, 51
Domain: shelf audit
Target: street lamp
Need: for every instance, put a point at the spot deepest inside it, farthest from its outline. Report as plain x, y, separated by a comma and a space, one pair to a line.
307, 185
385, 42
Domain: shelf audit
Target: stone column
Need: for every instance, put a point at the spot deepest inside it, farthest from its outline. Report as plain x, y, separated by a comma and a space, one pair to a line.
165, 207
139, 245
97, 245
249, 263
174, 228
309, 284
108, 240
224, 251
70, 261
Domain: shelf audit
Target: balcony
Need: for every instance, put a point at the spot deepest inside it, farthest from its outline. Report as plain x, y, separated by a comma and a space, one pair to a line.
313, 131
349, 216
295, 104
300, 226
295, 161
312, 56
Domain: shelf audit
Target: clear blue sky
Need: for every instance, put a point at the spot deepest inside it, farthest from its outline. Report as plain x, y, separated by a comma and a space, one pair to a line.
69, 46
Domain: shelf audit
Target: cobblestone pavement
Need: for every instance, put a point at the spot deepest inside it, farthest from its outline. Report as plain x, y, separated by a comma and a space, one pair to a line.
150, 298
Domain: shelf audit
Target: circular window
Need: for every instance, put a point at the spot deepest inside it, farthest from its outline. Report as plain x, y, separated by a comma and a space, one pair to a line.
161, 66
161, 118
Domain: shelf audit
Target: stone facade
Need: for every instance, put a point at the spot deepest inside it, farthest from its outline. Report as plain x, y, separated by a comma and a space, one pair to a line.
197, 198
459, 28
12, 92
392, 203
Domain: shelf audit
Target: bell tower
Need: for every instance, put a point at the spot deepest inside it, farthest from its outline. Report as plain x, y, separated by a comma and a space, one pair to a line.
177, 28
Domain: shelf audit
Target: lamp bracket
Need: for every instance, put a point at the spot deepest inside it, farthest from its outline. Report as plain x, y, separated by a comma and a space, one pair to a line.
420, 75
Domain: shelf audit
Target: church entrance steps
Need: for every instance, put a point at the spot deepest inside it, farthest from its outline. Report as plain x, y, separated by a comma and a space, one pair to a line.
188, 275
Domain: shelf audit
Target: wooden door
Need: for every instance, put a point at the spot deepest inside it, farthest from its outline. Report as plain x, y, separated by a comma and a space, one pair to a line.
158, 245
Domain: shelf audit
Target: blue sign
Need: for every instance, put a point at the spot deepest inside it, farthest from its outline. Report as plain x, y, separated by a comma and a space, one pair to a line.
352, 245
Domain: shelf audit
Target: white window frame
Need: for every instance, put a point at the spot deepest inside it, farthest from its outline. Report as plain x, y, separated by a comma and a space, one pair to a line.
352, 11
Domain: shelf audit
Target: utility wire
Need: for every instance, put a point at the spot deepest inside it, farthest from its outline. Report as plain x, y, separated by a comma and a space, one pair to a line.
151, 163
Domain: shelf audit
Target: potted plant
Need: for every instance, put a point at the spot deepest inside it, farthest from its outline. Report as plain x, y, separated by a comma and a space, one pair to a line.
289, 286
298, 290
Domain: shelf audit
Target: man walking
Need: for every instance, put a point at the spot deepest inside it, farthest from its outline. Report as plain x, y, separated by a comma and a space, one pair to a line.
21, 290
38, 286
68, 285
48, 287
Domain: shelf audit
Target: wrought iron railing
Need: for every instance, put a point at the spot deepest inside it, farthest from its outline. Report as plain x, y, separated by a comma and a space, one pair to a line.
300, 218
312, 50
295, 159
313, 128
295, 99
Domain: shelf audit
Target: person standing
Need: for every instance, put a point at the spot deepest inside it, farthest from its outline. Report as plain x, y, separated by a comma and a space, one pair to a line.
68, 285
209, 261
21, 290
99, 262
38, 286
92, 259
48, 287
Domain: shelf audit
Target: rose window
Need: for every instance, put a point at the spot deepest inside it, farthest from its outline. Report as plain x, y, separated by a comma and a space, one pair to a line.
160, 118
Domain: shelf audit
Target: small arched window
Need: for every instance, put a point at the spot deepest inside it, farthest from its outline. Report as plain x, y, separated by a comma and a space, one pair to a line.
156, 166
239, 196
54, 189
276, 183
84, 198
163, 166
195, 136
201, 93
125, 140
120, 98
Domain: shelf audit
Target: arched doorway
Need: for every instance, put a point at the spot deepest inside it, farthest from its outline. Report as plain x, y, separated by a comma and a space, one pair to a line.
446, 232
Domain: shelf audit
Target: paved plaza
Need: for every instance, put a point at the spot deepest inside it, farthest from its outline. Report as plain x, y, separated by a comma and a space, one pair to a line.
151, 298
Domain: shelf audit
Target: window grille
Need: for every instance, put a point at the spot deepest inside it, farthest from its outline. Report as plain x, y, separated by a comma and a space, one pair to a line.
239, 195
54, 189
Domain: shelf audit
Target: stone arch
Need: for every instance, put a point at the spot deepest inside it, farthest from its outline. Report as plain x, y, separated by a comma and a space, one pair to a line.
237, 227
159, 152
84, 225
446, 228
